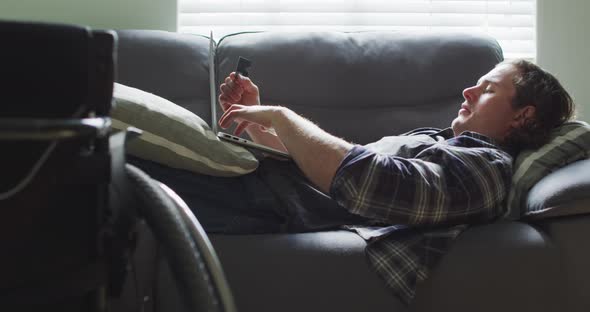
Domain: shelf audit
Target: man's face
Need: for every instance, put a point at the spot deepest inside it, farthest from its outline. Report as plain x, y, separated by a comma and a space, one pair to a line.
487, 108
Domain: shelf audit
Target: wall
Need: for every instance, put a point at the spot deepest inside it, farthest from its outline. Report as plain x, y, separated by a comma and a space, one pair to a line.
147, 14
564, 46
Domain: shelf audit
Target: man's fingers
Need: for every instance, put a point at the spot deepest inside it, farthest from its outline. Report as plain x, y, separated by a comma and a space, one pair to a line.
224, 101
232, 94
223, 88
245, 83
232, 84
241, 127
225, 119
228, 117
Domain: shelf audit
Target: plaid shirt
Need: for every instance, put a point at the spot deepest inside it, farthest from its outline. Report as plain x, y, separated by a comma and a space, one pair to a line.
422, 189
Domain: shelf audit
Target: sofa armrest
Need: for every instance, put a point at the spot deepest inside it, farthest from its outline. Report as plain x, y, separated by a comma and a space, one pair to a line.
507, 266
562, 193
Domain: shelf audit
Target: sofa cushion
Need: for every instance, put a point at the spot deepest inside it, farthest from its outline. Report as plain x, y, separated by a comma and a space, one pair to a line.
363, 85
321, 271
568, 143
175, 137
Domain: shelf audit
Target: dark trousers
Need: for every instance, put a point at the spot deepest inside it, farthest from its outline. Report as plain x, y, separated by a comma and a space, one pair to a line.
275, 198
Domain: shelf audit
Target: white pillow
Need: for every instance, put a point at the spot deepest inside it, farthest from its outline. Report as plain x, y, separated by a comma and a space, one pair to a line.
176, 137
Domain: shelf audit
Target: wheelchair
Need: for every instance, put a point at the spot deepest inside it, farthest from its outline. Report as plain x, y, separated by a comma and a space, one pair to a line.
70, 204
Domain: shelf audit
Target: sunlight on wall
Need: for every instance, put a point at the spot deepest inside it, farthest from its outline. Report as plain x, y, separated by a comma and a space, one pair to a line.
119, 14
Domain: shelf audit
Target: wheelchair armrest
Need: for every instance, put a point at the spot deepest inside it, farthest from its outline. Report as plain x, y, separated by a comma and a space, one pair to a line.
53, 129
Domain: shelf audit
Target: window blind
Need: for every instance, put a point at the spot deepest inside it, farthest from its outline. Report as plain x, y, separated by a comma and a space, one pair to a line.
511, 22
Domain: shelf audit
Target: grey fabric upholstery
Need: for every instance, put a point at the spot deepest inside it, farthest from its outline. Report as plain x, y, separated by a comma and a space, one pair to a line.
173, 66
392, 81
363, 86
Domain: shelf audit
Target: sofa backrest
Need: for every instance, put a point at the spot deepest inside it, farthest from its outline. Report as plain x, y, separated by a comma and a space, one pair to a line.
171, 65
359, 86
363, 85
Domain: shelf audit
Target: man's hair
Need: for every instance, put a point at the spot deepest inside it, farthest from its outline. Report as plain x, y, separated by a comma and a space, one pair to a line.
553, 105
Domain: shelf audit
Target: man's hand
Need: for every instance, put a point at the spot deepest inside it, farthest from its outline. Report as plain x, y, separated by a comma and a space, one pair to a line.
238, 89
244, 115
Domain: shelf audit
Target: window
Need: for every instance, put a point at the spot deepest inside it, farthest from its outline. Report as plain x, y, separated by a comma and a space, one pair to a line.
512, 22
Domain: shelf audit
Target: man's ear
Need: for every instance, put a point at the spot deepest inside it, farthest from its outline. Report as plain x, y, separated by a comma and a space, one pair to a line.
523, 114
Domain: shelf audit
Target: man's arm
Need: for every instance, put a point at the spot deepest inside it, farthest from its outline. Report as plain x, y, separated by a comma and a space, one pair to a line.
317, 153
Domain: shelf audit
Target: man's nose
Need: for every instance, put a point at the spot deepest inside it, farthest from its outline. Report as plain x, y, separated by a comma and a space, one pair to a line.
469, 94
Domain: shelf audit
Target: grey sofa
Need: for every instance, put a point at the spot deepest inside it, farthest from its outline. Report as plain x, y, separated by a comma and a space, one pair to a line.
362, 86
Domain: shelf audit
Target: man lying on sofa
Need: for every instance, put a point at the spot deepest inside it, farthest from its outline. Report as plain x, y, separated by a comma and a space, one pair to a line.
410, 195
